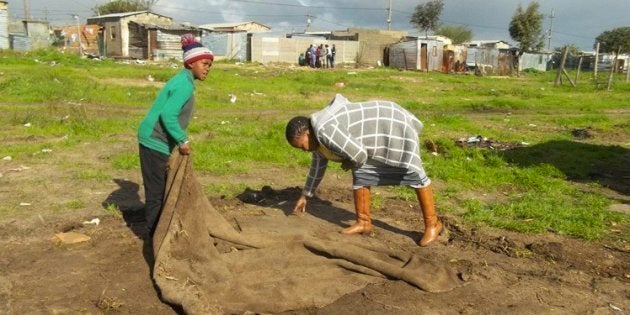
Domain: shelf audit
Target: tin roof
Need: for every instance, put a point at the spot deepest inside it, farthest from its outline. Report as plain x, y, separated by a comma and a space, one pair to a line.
123, 14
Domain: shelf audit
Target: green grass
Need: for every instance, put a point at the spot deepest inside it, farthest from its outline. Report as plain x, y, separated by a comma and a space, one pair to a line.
75, 204
551, 185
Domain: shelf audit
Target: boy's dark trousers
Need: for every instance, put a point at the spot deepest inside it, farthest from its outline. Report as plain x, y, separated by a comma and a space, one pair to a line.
153, 165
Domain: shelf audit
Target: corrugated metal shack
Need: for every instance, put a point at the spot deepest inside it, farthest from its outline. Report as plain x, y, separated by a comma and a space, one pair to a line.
490, 57
230, 40
538, 61
490, 60
30, 35
4, 25
373, 44
418, 54
157, 42
165, 41
118, 41
230, 46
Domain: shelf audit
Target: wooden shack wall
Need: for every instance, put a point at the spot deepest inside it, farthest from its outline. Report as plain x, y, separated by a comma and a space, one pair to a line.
138, 41
89, 38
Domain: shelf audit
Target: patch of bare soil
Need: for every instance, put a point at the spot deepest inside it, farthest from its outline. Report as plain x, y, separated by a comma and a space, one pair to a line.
505, 272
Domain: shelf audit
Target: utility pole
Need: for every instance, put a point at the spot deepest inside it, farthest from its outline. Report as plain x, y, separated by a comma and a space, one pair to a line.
549, 34
79, 33
308, 21
26, 14
389, 16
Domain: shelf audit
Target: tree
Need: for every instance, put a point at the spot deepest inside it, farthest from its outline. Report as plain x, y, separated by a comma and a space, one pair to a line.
120, 6
427, 16
526, 29
459, 34
615, 40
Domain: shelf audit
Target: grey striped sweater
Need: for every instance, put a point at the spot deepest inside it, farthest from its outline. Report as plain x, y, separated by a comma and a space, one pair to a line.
375, 130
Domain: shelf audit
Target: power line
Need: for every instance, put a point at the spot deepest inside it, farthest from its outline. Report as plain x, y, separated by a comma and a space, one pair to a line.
309, 6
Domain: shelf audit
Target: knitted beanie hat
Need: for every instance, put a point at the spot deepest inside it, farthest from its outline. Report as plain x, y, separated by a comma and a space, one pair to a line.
193, 50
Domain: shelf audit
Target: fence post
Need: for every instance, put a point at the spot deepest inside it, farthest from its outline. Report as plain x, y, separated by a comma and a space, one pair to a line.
596, 60
612, 69
558, 80
579, 67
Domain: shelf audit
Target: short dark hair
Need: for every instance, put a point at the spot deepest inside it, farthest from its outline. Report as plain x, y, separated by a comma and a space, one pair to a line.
296, 126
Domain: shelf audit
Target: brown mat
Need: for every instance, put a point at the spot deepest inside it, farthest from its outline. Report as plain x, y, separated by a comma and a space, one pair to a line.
275, 264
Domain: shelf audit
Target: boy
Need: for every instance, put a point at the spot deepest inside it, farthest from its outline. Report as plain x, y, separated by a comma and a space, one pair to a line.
164, 126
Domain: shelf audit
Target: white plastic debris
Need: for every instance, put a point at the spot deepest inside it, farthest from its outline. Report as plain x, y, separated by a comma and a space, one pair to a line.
46, 150
20, 168
95, 221
150, 78
27, 125
7, 158
25, 204
232, 98
615, 308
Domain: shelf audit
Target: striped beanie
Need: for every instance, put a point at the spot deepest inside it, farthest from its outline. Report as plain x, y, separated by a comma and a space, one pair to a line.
193, 50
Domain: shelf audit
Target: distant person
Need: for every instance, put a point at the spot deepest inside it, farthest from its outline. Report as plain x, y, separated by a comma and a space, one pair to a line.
328, 57
164, 127
308, 54
302, 60
379, 142
333, 52
322, 56
313, 56
318, 64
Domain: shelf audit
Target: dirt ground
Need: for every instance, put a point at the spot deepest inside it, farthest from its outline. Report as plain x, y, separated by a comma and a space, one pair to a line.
508, 273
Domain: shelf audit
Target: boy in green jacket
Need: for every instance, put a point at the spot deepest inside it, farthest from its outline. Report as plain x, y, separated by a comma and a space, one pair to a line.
164, 126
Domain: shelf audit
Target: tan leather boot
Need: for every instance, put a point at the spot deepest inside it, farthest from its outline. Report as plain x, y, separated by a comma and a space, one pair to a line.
362, 208
432, 224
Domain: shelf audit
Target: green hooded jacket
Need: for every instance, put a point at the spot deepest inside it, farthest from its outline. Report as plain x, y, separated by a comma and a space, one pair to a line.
164, 126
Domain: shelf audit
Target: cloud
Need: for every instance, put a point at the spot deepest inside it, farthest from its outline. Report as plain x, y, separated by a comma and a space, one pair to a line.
488, 19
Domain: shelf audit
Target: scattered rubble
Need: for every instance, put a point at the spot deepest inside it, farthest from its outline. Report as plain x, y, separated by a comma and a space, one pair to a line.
485, 143
582, 133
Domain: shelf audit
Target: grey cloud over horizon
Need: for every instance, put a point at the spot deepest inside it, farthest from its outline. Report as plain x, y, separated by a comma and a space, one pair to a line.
575, 22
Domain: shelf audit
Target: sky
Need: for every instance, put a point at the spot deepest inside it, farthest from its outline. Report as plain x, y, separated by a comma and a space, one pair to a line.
575, 22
